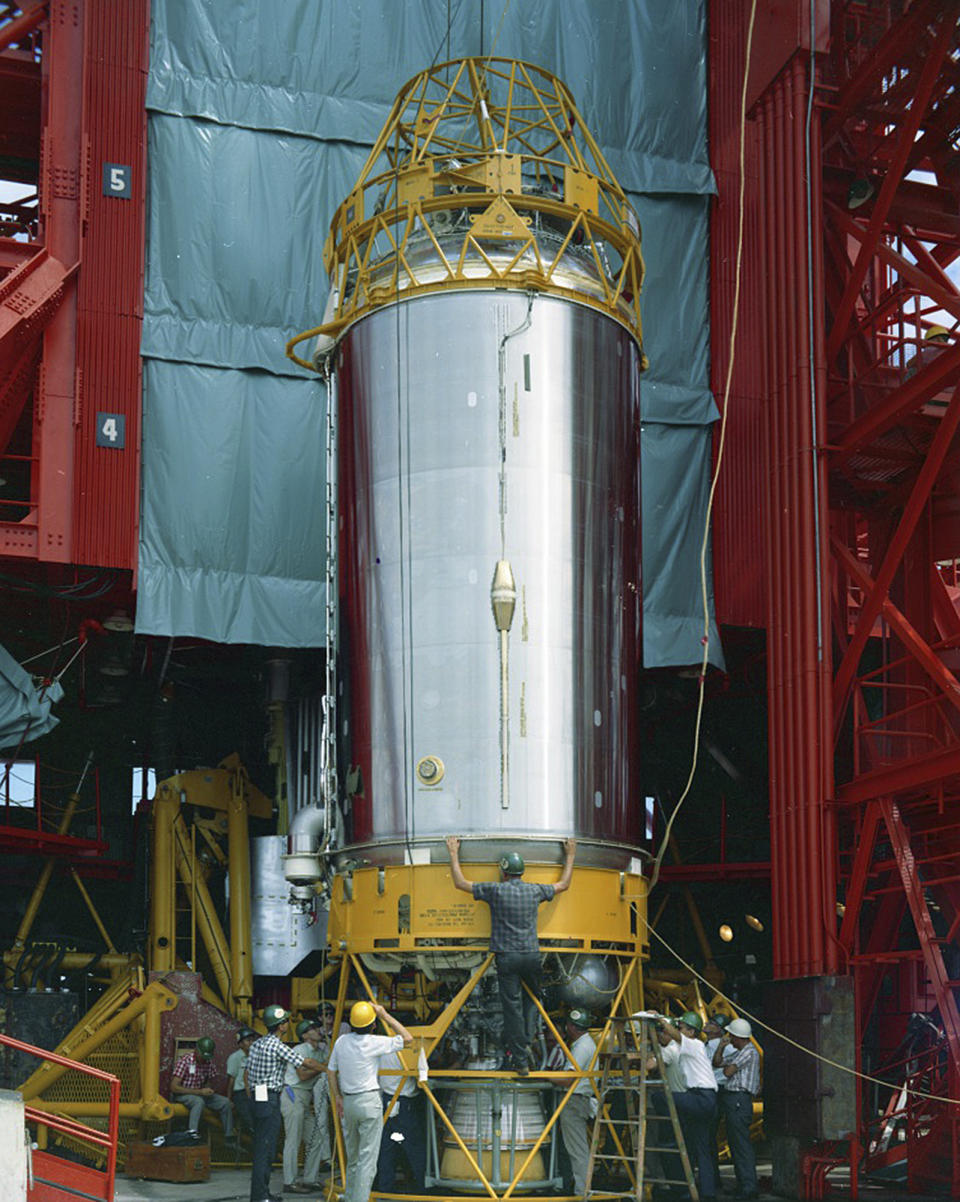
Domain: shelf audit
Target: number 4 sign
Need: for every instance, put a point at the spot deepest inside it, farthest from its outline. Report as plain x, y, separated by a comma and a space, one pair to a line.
111, 430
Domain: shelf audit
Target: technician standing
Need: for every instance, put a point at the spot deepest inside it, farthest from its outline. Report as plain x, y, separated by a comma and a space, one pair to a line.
742, 1072
266, 1063
355, 1088
513, 938
581, 1106
236, 1071
697, 1104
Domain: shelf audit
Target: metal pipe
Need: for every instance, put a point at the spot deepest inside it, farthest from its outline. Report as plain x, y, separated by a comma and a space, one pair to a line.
148, 1112
238, 843
163, 884
150, 1052
93, 911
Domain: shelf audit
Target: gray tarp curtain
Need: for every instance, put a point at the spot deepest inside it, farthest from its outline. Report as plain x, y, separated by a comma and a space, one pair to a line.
24, 706
261, 114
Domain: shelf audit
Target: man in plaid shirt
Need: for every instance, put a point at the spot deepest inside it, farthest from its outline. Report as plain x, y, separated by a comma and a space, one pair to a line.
513, 938
739, 1060
190, 1085
266, 1064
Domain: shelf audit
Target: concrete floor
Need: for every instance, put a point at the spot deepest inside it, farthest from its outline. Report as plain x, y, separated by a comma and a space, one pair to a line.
225, 1185
233, 1185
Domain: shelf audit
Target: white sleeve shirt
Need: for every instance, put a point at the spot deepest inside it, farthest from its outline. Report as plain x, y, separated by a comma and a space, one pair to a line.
356, 1060
695, 1065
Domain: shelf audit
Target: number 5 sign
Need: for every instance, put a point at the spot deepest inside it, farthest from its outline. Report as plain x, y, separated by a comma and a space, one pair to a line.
111, 430
116, 180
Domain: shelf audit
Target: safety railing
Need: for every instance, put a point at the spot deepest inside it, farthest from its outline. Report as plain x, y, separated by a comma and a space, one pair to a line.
105, 1142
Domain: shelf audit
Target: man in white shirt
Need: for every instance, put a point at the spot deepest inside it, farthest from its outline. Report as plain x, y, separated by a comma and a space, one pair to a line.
697, 1104
581, 1106
355, 1088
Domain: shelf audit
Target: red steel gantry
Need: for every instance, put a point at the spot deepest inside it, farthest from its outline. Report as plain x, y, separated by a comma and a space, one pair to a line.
72, 125
853, 237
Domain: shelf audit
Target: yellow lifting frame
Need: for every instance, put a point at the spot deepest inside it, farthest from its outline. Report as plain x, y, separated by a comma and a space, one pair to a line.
465, 137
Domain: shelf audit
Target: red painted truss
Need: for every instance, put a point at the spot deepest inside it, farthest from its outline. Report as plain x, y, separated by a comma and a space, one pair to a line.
71, 279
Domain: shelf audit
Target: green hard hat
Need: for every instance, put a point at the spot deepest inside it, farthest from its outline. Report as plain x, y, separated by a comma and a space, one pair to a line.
512, 863
690, 1019
308, 1024
205, 1047
274, 1015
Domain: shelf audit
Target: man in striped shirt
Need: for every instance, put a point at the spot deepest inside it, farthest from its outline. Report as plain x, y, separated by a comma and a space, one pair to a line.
742, 1085
266, 1064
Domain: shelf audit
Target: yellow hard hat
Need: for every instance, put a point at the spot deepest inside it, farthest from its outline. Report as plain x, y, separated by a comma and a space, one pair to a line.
936, 332
362, 1014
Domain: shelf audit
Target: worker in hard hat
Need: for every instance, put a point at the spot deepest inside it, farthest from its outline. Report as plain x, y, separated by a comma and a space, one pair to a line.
666, 1150
513, 939
697, 1104
266, 1064
935, 341
236, 1072
190, 1085
352, 1072
741, 1070
713, 1030
296, 1103
581, 1105
319, 1147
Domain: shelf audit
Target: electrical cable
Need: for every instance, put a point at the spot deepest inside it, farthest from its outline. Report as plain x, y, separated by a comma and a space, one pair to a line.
406, 619
738, 1009
446, 37
705, 542
40, 654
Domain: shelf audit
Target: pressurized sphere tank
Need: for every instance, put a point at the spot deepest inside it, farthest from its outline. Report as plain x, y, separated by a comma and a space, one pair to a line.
486, 272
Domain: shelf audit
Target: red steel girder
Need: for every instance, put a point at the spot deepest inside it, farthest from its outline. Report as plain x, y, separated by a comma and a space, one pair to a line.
899, 836
29, 297
875, 599
895, 171
908, 777
936, 285
20, 839
32, 17
868, 79
886, 413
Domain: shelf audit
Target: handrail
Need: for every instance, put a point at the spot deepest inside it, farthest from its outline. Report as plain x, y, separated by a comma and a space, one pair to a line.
69, 1126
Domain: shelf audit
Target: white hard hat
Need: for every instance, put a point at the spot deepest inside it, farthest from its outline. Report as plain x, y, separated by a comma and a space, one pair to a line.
740, 1027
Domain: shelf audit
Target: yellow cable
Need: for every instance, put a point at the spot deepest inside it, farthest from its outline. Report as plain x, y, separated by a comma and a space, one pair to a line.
913, 1093
705, 542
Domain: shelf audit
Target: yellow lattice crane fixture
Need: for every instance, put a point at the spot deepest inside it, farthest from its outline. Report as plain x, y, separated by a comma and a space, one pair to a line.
484, 175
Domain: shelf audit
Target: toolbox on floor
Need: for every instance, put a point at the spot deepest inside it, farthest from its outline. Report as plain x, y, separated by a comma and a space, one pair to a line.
168, 1164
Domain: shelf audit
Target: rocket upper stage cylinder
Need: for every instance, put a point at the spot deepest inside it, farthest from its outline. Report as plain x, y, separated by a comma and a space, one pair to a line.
446, 471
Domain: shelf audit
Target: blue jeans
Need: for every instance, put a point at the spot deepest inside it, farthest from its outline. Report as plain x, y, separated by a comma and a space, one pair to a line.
696, 1108
409, 1119
737, 1109
266, 1130
519, 1011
